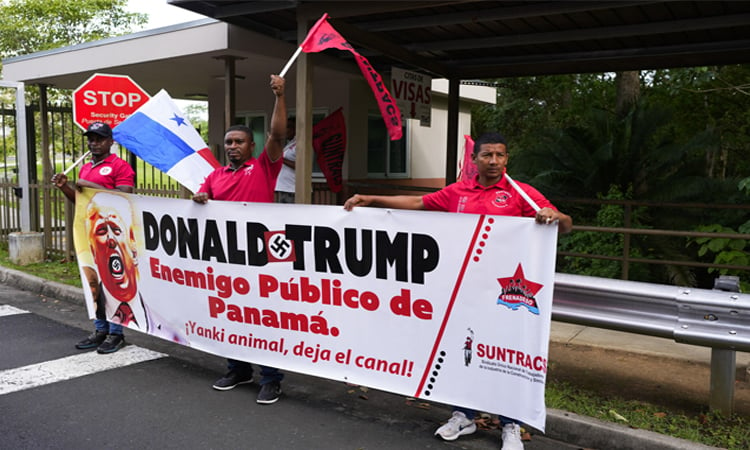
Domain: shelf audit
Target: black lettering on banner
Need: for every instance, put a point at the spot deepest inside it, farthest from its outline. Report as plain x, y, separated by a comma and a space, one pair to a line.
236, 256
299, 234
327, 245
358, 266
168, 234
403, 256
212, 247
256, 245
188, 237
425, 255
390, 253
150, 231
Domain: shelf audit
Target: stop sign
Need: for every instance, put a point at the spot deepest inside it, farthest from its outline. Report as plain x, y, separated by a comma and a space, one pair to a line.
106, 98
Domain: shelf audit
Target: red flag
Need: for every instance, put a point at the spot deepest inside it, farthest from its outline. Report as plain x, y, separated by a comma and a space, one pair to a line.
468, 169
322, 36
329, 142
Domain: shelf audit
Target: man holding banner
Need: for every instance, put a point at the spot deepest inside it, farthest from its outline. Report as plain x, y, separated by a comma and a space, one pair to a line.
247, 179
105, 171
490, 192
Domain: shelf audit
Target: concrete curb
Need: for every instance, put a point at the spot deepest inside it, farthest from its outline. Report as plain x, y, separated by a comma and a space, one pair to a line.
593, 433
563, 426
47, 288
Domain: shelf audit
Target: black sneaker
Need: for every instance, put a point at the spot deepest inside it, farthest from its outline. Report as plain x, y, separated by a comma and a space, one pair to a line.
232, 379
113, 343
269, 393
93, 340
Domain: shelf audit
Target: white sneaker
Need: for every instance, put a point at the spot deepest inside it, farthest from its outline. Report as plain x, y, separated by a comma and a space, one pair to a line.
457, 425
512, 437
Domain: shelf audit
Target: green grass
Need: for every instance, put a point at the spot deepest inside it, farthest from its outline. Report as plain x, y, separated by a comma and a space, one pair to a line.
711, 429
61, 271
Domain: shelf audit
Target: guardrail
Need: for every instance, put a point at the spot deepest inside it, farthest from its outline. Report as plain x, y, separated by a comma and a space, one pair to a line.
708, 318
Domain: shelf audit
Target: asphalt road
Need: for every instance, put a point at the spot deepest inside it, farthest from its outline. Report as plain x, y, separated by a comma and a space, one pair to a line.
54, 396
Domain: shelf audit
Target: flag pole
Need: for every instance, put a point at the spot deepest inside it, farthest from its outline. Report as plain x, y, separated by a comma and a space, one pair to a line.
290, 62
76, 163
523, 194
299, 48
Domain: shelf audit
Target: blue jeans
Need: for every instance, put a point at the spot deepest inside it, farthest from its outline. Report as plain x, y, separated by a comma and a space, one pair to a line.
470, 414
267, 374
107, 327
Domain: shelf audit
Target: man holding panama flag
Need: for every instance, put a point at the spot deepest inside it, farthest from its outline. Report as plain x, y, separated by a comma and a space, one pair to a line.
161, 135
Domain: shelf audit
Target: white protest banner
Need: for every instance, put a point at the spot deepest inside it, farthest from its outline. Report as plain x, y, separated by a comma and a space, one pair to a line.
451, 308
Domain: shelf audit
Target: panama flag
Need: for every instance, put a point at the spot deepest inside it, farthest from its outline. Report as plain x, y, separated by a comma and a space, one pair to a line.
160, 134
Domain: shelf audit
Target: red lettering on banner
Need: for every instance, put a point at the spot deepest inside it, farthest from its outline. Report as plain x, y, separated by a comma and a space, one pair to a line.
401, 305
510, 356
316, 324
327, 293
403, 368
224, 285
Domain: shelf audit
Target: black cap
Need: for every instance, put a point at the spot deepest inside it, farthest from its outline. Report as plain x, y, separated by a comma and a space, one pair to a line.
100, 128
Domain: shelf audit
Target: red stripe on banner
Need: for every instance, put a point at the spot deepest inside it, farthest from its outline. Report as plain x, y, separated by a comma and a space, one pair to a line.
208, 156
459, 280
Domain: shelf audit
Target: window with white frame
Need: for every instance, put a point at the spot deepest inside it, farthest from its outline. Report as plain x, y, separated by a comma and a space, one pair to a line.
385, 158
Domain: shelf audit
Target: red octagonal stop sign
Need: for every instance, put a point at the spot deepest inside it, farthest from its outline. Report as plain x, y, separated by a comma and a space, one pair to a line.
106, 98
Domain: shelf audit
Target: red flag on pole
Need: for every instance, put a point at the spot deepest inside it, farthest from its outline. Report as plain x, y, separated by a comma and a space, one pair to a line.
329, 143
322, 36
467, 170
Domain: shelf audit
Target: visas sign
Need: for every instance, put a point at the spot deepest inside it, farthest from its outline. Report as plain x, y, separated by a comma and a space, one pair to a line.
413, 92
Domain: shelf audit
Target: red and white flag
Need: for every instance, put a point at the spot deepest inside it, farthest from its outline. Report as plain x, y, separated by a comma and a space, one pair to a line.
323, 36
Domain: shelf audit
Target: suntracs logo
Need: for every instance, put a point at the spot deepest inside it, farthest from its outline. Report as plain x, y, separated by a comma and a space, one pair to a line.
518, 291
501, 199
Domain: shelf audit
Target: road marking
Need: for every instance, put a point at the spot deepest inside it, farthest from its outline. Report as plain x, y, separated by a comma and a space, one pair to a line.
7, 310
62, 369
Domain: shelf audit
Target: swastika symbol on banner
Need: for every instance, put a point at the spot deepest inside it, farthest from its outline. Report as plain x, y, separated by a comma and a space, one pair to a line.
279, 246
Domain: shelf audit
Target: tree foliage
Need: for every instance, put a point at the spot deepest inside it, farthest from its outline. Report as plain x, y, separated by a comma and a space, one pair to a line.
684, 138
34, 25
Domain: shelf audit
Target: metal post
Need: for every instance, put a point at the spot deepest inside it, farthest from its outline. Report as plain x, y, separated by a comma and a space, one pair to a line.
22, 156
47, 169
723, 362
451, 146
723, 368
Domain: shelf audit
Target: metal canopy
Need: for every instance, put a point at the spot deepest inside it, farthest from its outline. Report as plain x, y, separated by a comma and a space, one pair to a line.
467, 39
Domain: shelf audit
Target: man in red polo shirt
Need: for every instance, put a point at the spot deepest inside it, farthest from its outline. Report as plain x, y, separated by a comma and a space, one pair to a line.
105, 171
250, 179
489, 192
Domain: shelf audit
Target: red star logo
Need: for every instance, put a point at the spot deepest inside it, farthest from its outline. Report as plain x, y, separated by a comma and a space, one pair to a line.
517, 291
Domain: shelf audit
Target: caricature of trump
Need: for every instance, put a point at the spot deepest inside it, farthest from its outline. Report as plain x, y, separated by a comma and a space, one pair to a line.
111, 232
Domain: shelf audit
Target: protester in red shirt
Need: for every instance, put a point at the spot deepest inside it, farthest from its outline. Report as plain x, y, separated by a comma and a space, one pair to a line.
249, 179
490, 192
105, 171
